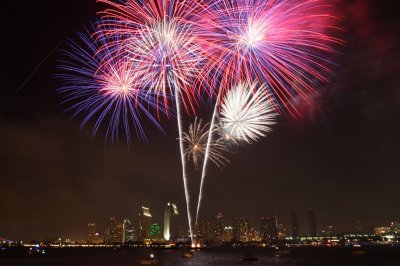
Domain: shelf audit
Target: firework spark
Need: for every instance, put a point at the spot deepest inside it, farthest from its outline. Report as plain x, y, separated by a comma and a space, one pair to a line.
196, 145
103, 92
247, 113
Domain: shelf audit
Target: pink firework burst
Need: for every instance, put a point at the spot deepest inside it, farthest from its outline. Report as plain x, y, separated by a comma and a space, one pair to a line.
283, 44
160, 40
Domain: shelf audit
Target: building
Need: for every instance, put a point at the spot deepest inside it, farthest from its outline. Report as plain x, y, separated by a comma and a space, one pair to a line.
114, 232
171, 228
269, 229
96, 240
395, 228
241, 230
254, 235
312, 223
128, 234
145, 221
203, 230
330, 230
218, 235
382, 230
155, 232
228, 233
358, 227
282, 232
294, 218
91, 233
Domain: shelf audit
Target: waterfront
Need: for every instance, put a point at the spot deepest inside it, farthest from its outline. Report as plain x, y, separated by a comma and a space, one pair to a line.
385, 256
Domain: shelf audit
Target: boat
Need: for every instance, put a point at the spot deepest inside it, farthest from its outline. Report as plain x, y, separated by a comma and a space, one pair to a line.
150, 260
187, 254
249, 256
282, 251
36, 250
359, 252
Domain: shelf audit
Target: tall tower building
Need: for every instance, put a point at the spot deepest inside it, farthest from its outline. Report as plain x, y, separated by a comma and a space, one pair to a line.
312, 222
128, 231
114, 232
269, 229
145, 221
282, 231
219, 228
203, 230
91, 233
241, 230
263, 229
294, 218
155, 232
228, 233
358, 227
171, 229
120, 232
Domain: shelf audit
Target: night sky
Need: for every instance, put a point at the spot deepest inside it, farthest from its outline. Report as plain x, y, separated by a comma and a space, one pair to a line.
342, 159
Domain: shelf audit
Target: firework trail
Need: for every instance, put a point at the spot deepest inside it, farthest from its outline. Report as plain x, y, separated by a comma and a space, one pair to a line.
38, 66
284, 44
246, 115
103, 92
196, 140
161, 42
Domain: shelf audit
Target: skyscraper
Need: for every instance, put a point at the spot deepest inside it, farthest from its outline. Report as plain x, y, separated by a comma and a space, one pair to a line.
269, 229
395, 227
241, 230
254, 235
114, 232
155, 232
228, 233
219, 228
358, 227
91, 233
282, 231
203, 230
312, 222
295, 224
128, 231
171, 229
144, 223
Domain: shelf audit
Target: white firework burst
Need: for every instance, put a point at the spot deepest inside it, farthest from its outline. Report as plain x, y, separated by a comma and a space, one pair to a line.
247, 113
196, 145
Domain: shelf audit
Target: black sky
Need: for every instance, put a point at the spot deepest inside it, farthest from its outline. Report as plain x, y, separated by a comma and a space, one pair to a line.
341, 159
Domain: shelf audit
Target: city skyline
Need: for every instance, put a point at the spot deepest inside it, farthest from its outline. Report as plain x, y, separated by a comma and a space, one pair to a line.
340, 159
138, 227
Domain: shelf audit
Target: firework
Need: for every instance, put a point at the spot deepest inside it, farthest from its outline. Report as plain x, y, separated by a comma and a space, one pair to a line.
196, 144
104, 92
161, 42
284, 44
246, 113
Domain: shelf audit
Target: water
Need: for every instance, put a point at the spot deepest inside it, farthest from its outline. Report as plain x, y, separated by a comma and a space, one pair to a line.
217, 256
